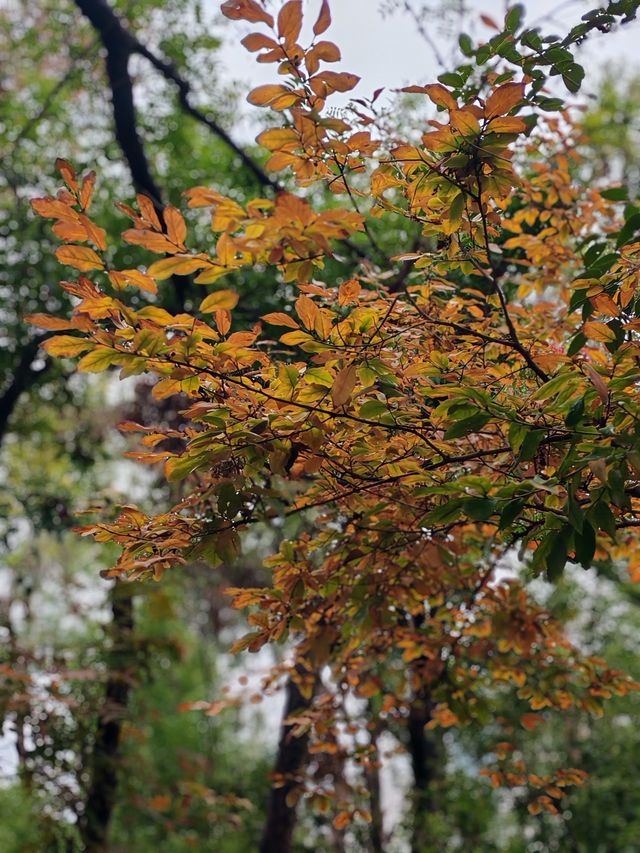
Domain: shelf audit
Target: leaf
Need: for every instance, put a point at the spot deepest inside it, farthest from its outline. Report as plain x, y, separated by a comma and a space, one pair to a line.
348, 292
80, 257
307, 310
176, 227
463, 427
86, 190
441, 96
278, 318
68, 174
262, 96
503, 99
343, 385
530, 444
324, 19
66, 346
489, 22
258, 41
598, 383
98, 360
220, 299
150, 240
290, 21
44, 321
176, 265
246, 10
222, 319
52, 208
508, 124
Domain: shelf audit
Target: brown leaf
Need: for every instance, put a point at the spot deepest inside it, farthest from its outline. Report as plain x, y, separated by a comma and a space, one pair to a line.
343, 386
68, 174
503, 99
290, 21
324, 19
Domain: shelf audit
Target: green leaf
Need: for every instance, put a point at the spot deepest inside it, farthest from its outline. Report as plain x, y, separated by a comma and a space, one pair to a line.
514, 17
479, 509
615, 194
585, 545
602, 518
558, 551
467, 425
510, 512
530, 444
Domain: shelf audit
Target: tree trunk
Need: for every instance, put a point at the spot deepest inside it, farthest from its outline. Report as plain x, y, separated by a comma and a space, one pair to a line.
101, 797
425, 753
290, 761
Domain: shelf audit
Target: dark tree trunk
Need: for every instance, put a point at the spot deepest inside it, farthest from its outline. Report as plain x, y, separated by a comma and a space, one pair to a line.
425, 753
103, 782
290, 762
372, 777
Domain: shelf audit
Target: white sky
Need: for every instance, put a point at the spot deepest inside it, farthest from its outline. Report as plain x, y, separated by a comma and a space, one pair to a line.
389, 51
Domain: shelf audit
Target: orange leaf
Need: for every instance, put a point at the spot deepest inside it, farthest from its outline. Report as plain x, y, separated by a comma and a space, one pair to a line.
263, 95
68, 174
307, 310
223, 320
148, 211
123, 278
51, 208
343, 386
246, 10
44, 321
441, 96
149, 240
278, 318
290, 21
97, 235
176, 227
80, 257
258, 41
324, 19
86, 192
349, 292
503, 99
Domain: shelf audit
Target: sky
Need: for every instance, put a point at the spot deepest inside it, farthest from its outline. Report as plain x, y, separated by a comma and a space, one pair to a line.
388, 50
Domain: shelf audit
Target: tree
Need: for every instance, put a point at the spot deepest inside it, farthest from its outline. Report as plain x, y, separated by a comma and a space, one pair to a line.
424, 420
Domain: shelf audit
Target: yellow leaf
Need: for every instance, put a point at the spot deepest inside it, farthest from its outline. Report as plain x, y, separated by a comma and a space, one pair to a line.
80, 257
97, 360
226, 299
66, 346
441, 96
509, 124
176, 265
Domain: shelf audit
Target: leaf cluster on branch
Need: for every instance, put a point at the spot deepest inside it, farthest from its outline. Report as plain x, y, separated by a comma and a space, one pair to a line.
425, 427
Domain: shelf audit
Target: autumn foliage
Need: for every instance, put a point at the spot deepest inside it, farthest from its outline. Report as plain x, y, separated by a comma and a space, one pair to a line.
471, 398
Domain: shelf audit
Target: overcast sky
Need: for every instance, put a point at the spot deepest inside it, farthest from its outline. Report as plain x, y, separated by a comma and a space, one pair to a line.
389, 51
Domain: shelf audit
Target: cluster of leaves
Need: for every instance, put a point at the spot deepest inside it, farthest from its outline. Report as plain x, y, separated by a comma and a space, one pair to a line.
425, 424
